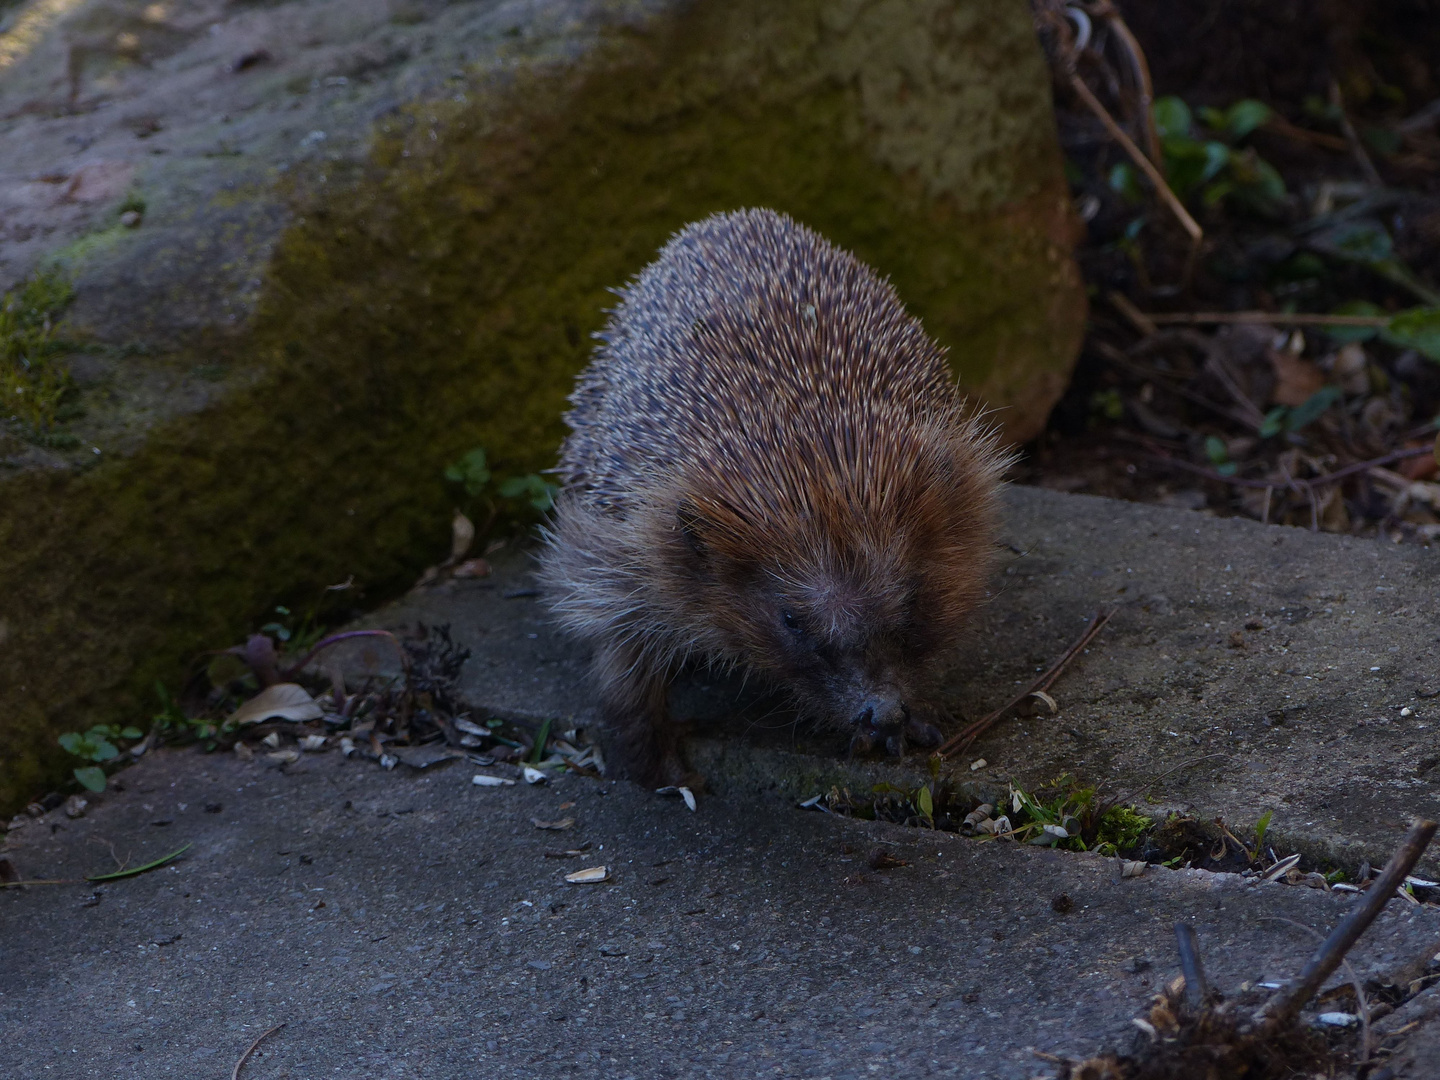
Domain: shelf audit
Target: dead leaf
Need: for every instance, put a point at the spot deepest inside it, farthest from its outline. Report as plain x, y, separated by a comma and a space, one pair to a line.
283, 701
1296, 380
462, 535
590, 876
554, 826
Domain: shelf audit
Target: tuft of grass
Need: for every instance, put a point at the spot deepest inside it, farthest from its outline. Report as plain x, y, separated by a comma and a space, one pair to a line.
32, 383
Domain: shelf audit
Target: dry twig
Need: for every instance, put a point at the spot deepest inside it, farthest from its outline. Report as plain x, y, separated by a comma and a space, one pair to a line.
975, 730
1357, 149
1261, 318
1286, 1005
235, 1073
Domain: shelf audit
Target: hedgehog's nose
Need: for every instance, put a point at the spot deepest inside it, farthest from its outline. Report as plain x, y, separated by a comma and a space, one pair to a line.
882, 714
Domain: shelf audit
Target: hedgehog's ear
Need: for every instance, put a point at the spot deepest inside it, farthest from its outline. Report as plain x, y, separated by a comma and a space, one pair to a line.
691, 523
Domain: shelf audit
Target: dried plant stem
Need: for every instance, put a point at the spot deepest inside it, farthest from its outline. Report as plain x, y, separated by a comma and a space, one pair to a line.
1295, 485
1251, 318
1286, 1005
1140, 69
975, 730
1352, 139
1142, 162
235, 1073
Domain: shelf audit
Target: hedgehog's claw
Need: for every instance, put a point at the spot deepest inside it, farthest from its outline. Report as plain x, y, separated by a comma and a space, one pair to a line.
863, 741
923, 734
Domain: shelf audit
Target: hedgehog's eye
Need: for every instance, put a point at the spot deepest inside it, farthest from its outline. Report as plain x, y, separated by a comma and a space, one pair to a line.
791, 622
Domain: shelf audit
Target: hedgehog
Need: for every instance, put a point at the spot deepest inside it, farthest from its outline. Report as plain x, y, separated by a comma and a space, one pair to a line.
770, 469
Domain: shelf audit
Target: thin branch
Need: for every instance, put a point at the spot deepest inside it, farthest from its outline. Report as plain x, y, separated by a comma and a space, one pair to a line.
1356, 984
235, 1073
1286, 1005
1141, 371
1140, 69
1280, 126
1144, 164
1294, 485
1273, 318
975, 730
1357, 149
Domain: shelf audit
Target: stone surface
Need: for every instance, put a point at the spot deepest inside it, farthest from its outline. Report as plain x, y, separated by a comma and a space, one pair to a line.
411, 925
365, 237
1247, 669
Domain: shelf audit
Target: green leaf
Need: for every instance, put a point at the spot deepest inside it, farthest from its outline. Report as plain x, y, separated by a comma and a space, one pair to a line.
1274, 422
1313, 407
472, 471
1418, 329
118, 874
1125, 182
538, 753
131, 733
1171, 116
92, 777
1363, 241
281, 632
1261, 826
925, 803
76, 743
1245, 116
1216, 450
1355, 333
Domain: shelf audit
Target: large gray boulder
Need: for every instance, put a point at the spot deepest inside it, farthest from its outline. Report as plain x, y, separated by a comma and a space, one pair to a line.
321, 248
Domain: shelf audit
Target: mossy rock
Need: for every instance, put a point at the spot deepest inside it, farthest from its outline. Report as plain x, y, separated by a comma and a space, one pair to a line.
444, 296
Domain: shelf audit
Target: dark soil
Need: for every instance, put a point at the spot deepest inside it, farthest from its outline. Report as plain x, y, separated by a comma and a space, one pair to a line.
1146, 418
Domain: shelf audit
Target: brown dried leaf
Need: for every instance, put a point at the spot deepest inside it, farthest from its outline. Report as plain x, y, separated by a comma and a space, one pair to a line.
1295, 379
283, 701
554, 826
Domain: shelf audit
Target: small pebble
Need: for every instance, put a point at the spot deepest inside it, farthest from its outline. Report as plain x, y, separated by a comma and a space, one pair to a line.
130, 218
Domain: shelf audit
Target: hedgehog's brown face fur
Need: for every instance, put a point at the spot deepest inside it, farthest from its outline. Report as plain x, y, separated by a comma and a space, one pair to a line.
849, 600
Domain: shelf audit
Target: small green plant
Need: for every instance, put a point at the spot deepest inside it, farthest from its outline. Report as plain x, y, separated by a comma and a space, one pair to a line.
471, 472
534, 489
1219, 455
1203, 158
1106, 405
32, 383
1283, 418
97, 745
1076, 819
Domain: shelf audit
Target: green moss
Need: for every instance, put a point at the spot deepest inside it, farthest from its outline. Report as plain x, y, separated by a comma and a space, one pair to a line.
445, 297
32, 381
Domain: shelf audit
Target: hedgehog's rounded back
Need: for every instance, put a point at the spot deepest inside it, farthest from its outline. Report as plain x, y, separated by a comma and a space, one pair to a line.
770, 467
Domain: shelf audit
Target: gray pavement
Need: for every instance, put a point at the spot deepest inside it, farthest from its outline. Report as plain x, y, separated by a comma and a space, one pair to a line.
1270, 668
411, 925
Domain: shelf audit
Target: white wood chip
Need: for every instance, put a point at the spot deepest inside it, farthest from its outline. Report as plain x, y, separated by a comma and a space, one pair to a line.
590, 876
485, 780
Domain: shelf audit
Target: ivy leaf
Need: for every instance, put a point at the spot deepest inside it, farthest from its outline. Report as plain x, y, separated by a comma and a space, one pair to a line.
1418, 329
1313, 407
1172, 117
1245, 116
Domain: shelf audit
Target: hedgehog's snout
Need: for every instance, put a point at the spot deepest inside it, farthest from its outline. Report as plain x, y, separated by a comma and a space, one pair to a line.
882, 715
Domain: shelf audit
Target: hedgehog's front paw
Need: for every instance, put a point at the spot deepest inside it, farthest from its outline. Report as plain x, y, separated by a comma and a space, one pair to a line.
916, 730
923, 725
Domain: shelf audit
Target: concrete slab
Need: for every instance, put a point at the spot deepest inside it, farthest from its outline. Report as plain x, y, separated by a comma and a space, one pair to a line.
1255, 668
411, 925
